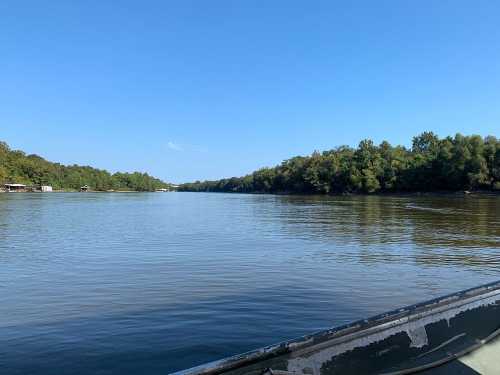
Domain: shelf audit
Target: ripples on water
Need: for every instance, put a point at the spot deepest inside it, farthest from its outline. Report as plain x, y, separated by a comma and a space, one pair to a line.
152, 283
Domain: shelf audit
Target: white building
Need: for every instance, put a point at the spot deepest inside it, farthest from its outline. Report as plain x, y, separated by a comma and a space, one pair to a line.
15, 187
46, 188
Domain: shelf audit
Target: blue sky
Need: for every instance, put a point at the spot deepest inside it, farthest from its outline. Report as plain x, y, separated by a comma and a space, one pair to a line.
191, 90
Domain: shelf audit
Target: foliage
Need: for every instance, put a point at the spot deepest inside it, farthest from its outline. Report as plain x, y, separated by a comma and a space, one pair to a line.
17, 167
432, 164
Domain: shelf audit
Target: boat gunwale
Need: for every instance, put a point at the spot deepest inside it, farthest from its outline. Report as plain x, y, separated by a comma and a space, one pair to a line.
350, 331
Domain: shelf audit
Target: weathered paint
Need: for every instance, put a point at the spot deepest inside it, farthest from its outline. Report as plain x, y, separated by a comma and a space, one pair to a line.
409, 337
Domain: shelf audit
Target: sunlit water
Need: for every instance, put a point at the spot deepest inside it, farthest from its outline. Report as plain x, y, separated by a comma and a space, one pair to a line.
152, 283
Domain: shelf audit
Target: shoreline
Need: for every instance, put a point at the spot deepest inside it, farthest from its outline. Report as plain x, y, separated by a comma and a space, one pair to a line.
378, 194
83, 192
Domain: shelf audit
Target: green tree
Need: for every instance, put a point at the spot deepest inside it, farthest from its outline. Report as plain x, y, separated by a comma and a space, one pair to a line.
431, 164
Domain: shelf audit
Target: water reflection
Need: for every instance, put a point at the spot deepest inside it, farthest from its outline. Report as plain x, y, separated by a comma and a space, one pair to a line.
429, 231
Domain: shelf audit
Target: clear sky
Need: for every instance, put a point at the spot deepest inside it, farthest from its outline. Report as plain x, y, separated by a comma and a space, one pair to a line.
191, 90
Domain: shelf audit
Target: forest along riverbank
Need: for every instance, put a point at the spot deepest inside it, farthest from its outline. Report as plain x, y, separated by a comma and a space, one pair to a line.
460, 163
18, 168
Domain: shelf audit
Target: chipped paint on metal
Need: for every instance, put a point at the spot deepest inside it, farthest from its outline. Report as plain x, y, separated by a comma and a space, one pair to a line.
315, 357
442, 345
307, 355
418, 337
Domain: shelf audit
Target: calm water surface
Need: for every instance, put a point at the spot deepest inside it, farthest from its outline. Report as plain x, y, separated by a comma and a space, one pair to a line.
152, 283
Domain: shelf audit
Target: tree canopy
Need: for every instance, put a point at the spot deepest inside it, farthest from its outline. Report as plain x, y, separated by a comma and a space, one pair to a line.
431, 164
16, 166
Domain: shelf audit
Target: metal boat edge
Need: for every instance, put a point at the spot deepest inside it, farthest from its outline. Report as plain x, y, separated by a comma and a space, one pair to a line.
411, 337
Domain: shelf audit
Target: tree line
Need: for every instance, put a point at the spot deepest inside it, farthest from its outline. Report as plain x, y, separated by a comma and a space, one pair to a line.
431, 164
17, 167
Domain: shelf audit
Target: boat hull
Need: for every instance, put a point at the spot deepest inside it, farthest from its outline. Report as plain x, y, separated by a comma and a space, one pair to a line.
422, 337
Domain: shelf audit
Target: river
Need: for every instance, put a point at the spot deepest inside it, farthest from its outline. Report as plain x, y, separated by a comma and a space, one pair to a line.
149, 283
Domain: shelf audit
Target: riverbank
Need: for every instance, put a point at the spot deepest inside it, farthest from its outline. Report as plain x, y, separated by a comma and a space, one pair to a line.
378, 194
83, 192
382, 194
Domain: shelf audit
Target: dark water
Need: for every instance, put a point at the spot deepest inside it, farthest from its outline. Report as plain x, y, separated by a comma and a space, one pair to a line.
152, 283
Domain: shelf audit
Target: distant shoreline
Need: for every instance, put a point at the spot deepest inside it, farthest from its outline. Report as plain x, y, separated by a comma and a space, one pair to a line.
68, 177
377, 194
432, 164
83, 192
